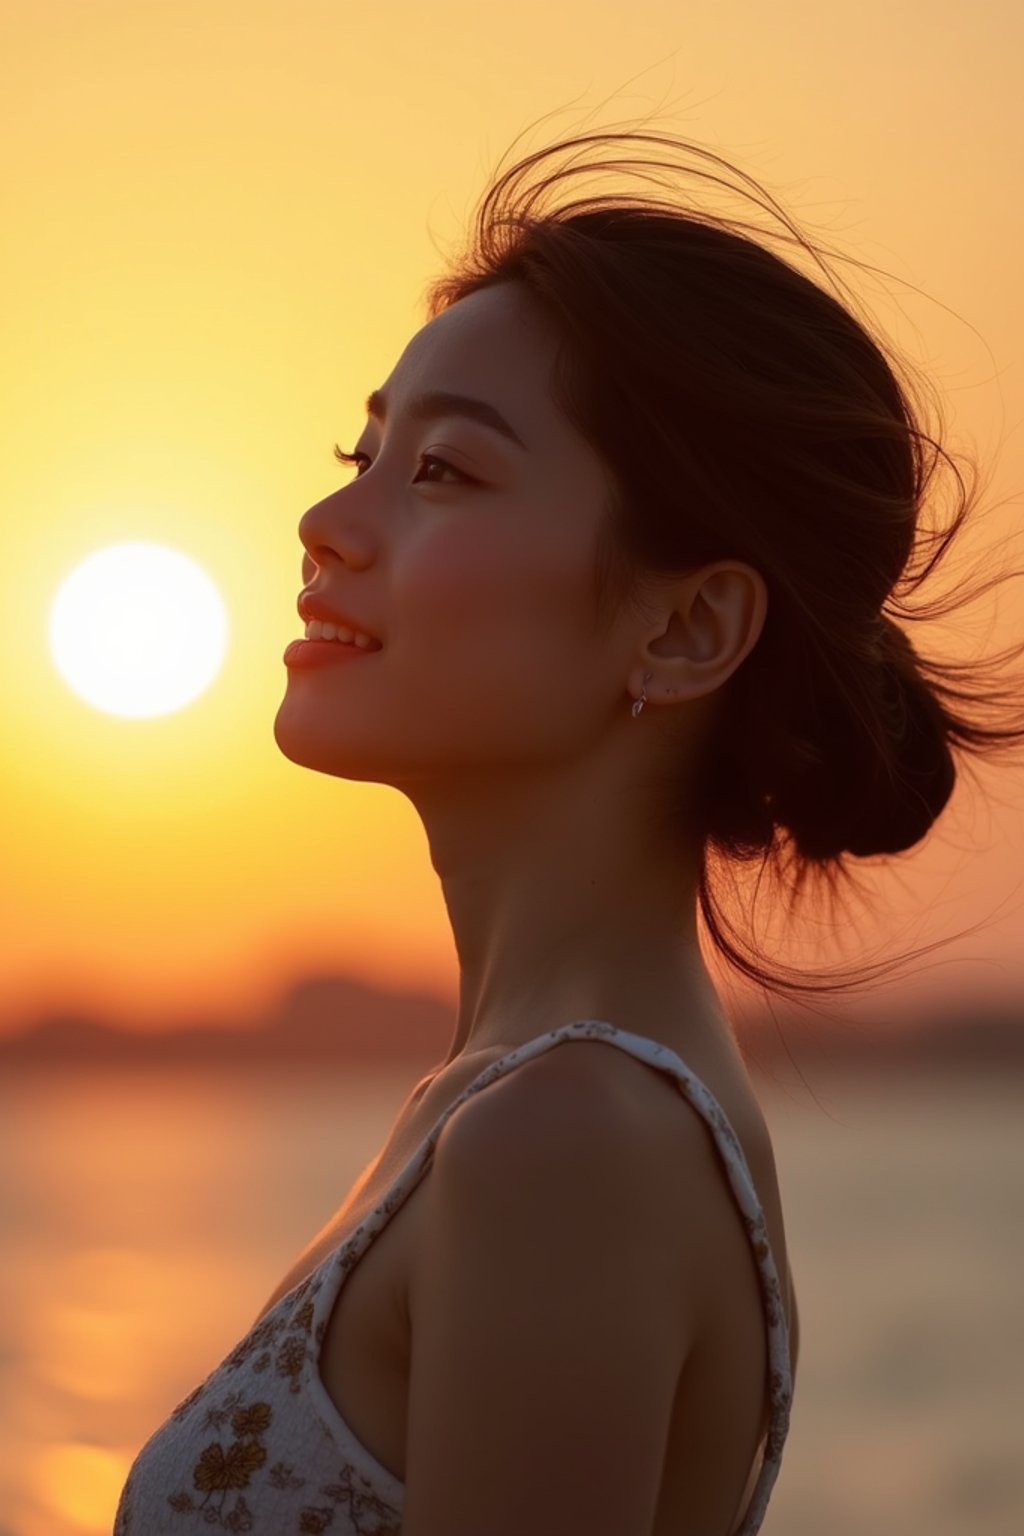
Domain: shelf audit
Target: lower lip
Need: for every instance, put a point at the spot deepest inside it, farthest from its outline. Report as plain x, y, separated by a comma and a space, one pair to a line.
322, 653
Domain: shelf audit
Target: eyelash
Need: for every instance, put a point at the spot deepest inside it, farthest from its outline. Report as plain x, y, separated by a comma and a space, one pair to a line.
425, 458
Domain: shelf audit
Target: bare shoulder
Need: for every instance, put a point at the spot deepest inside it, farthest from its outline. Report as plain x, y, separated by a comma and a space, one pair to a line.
592, 1088
586, 1120
547, 1297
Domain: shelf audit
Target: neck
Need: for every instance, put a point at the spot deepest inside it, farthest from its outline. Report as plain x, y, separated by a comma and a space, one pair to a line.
566, 906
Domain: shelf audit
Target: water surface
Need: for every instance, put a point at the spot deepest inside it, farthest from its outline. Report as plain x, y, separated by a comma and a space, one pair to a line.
146, 1218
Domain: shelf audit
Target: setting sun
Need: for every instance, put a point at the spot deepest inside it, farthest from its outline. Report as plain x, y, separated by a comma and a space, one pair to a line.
138, 630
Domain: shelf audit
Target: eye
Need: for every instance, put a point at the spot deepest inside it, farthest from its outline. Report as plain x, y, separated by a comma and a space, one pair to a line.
425, 458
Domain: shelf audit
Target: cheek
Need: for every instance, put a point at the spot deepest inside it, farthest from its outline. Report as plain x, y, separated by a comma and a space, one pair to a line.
505, 612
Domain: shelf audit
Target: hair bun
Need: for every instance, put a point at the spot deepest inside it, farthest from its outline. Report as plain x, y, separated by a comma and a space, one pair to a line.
879, 790
923, 769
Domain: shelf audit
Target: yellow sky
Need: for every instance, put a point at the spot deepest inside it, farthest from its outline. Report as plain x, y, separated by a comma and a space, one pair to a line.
219, 221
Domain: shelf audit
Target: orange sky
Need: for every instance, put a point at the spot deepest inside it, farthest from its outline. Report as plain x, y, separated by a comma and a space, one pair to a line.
219, 224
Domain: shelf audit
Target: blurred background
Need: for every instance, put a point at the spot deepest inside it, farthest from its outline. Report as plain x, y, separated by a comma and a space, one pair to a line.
220, 974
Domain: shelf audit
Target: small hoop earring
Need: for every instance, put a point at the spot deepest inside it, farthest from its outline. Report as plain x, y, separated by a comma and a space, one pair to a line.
642, 700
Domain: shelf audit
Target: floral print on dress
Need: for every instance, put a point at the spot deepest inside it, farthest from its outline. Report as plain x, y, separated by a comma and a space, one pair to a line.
236, 1428
223, 1470
259, 1447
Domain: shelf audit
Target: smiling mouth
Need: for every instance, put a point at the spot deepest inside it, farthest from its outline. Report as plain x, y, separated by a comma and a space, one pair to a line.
340, 634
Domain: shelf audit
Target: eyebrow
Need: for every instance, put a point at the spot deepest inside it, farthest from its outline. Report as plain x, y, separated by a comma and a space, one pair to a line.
434, 403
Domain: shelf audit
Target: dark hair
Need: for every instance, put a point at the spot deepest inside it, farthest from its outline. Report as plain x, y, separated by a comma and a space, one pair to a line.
741, 411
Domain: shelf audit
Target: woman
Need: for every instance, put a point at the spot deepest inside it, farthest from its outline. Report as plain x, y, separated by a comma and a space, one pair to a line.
604, 600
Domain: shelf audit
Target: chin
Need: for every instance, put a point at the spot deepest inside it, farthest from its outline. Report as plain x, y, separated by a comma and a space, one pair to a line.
307, 748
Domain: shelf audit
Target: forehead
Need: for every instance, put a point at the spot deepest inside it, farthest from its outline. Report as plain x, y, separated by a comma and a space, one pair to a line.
493, 344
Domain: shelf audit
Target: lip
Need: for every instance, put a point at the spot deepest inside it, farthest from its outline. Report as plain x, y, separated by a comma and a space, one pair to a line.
311, 605
302, 654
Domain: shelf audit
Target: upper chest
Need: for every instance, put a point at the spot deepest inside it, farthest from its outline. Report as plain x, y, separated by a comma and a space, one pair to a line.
424, 1106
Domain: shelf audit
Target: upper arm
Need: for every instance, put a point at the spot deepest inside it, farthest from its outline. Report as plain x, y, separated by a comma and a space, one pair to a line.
549, 1320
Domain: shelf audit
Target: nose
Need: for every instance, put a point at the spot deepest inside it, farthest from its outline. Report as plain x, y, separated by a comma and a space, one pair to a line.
333, 531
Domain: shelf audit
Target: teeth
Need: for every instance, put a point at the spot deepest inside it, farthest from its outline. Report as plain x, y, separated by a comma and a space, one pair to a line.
318, 629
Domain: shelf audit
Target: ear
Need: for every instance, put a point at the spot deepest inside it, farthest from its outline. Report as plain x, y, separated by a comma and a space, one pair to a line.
716, 617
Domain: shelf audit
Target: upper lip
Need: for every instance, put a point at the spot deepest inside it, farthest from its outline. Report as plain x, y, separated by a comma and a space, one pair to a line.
312, 606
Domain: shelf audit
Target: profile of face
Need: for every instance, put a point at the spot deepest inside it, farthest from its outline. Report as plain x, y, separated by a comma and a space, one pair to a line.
475, 574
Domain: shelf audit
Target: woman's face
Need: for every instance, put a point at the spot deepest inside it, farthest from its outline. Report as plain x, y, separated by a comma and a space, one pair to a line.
477, 578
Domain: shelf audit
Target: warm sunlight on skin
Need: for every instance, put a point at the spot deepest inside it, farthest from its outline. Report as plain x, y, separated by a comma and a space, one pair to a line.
138, 630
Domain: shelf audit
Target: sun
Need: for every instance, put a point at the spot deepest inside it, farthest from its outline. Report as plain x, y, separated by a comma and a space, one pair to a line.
138, 630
